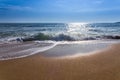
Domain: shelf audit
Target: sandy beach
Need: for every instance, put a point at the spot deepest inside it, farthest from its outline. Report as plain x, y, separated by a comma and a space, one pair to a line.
59, 39
104, 65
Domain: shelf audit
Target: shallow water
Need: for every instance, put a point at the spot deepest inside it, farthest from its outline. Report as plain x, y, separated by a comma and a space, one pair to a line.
78, 48
51, 49
19, 50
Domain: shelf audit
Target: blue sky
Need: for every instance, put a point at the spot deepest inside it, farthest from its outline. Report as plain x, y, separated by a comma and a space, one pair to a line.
59, 10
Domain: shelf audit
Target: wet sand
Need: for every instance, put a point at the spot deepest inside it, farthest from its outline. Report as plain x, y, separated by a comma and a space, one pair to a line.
104, 65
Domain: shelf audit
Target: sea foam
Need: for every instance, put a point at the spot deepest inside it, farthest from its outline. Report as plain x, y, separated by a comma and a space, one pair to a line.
20, 50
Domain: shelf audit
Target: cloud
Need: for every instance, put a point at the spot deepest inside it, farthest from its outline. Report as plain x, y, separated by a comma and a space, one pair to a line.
85, 6
98, 1
78, 5
13, 7
91, 10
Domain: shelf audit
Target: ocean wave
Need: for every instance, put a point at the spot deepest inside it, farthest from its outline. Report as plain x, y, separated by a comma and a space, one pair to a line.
59, 37
41, 36
58, 31
65, 37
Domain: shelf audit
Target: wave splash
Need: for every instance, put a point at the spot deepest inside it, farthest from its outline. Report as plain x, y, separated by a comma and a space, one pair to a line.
60, 37
59, 31
65, 37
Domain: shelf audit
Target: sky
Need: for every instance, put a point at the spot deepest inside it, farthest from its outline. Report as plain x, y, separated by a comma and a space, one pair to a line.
59, 10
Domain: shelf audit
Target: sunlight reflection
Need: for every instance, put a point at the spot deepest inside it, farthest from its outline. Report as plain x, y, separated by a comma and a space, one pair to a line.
77, 27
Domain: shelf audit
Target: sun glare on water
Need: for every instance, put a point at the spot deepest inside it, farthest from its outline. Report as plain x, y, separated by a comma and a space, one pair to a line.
76, 27
78, 23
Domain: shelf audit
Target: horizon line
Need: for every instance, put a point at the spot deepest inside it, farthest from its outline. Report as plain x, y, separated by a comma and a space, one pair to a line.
62, 22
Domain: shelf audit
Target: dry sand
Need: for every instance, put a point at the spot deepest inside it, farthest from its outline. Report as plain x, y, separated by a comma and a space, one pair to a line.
104, 65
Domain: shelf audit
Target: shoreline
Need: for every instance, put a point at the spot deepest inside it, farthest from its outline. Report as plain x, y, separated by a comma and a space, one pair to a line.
103, 65
54, 49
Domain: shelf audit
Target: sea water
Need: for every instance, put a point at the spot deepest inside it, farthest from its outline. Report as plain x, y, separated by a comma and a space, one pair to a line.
59, 31
19, 40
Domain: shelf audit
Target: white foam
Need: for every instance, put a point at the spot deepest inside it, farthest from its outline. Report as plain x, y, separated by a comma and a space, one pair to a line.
28, 52
41, 46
